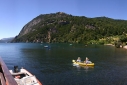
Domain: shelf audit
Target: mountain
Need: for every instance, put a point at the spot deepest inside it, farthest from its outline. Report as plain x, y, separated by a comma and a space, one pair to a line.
62, 27
6, 40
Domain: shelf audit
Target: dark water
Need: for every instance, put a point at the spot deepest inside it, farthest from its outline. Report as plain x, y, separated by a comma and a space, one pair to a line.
53, 65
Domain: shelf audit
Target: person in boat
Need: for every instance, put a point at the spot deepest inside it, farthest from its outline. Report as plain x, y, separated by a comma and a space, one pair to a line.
17, 76
79, 59
87, 60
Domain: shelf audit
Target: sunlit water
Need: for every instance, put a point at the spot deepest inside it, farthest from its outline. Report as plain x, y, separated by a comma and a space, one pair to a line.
53, 65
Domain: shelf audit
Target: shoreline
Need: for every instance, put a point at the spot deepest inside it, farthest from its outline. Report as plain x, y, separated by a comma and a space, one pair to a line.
109, 44
125, 47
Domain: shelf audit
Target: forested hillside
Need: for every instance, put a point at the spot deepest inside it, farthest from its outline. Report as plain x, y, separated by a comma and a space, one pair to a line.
61, 27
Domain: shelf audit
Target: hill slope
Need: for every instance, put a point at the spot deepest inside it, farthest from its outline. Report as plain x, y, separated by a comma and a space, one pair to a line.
6, 40
62, 27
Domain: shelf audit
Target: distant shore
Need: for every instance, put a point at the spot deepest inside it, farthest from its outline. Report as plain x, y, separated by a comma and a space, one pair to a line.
120, 46
109, 44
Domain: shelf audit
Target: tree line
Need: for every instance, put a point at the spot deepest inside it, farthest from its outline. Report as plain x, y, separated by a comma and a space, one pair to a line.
65, 28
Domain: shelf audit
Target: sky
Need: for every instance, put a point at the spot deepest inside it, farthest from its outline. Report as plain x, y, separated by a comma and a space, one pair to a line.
14, 14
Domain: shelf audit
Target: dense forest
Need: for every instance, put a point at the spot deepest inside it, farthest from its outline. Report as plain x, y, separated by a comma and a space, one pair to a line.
65, 28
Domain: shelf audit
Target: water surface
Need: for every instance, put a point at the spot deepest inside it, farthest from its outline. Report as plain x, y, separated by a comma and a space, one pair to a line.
53, 65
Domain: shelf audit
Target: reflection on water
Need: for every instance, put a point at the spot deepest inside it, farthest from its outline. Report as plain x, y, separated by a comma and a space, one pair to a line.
84, 68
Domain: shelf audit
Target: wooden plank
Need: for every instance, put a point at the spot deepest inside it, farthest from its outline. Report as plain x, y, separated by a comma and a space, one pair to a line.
2, 79
8, 77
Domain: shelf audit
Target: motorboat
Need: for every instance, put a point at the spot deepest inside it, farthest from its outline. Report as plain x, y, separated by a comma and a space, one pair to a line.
24, 77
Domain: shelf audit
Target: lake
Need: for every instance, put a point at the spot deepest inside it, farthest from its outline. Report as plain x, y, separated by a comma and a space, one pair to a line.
52, 63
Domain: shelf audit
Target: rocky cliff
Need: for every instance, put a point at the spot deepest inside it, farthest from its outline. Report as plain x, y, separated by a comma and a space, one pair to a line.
41, 28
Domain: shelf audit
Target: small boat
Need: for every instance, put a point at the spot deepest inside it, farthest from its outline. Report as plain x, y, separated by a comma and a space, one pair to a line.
82, 63
24, 77
70, 44
46, 46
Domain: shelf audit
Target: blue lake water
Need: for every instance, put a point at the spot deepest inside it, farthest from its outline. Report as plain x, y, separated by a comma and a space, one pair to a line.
52, 65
